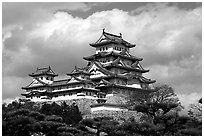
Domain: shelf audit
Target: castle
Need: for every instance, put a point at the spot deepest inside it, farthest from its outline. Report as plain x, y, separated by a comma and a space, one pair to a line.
111, 70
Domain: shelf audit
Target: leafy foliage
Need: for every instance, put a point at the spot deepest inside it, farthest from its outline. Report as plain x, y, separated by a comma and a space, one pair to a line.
19, 119
195, 110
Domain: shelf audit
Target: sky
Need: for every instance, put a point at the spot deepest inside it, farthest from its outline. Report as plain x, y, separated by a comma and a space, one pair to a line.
168, 36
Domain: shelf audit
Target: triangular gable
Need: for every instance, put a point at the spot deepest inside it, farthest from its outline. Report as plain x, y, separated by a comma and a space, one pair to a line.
96, 71
74, 70
104, 83
135, 64
74, 79
119, 62
101, 39
51, 71
139, 66
36, 82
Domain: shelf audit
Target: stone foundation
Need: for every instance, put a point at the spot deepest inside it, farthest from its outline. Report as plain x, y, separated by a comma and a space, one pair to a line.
119, 116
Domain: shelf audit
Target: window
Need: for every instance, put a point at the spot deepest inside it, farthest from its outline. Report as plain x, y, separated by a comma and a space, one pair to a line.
106, 48
47, 78
41, 78
100, 49
52, 79
103, 48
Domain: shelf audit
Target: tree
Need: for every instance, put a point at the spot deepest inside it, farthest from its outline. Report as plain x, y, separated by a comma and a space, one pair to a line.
20, 122
70, 114
161, 107
195, 110
159, 103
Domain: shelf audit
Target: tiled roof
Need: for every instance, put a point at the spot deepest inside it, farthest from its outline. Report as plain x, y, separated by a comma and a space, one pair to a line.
60, 82
100, 67
43, 71
37, 86
107, 38
112, 53
78, 71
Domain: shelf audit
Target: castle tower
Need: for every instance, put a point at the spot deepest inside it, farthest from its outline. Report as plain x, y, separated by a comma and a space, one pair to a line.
114, 69
40, 86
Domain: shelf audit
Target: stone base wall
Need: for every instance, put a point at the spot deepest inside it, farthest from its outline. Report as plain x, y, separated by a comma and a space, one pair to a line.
119, 116
83, 104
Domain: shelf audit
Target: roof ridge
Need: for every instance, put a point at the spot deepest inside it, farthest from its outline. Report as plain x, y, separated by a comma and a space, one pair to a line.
120, 36
60, 80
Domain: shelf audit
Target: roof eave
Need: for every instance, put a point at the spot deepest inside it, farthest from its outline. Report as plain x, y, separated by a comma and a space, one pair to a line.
35, 75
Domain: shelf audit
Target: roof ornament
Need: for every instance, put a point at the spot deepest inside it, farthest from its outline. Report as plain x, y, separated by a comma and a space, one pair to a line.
120, 35
76, 69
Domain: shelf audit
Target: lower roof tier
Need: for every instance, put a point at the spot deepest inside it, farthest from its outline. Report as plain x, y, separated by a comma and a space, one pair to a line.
125, 87
122, 54
63, 91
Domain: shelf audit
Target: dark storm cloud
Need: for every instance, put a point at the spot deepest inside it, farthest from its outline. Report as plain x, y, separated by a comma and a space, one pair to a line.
21, 12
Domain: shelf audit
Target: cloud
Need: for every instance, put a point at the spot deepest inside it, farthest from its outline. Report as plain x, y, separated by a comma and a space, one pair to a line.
167, 38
